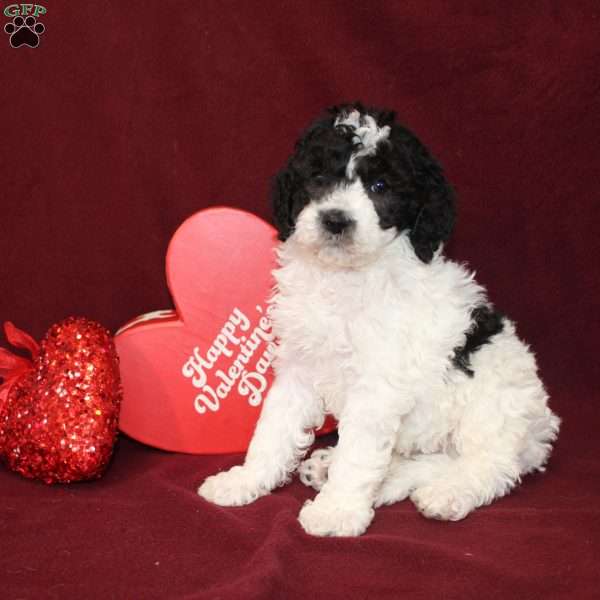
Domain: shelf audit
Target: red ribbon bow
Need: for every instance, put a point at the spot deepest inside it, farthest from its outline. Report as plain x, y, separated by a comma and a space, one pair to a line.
11, 365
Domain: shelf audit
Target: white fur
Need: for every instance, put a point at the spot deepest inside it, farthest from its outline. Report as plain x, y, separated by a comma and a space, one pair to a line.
366, 333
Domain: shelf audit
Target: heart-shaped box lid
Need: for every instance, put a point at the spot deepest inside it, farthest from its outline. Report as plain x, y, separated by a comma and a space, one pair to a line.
195, 378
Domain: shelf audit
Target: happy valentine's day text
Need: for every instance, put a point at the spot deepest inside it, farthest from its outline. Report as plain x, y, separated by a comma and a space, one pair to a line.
228, 342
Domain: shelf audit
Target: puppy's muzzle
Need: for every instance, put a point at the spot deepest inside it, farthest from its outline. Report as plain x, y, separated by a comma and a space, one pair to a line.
336, 221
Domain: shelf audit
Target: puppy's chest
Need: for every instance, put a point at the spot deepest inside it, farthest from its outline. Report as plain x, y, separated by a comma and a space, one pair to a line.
330, 319
337, 328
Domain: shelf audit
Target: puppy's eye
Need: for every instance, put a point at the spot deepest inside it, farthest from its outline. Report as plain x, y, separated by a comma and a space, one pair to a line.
379, 186
319, 180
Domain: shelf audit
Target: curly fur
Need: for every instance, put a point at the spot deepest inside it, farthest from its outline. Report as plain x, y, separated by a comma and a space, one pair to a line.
437, 398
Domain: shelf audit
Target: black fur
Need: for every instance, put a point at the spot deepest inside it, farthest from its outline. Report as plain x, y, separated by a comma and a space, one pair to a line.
416, 196
486, 323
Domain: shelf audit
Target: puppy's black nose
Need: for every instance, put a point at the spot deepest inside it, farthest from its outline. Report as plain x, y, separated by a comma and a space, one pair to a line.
336, 221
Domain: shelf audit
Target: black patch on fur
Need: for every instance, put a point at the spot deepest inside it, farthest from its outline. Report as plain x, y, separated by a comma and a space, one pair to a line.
486, 323
417, 197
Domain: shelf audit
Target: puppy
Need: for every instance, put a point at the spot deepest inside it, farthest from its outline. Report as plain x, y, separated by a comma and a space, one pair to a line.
436, 397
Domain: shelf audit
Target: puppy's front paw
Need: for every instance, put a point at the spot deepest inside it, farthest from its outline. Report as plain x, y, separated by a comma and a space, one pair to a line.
443, 502
326, 517
235, 487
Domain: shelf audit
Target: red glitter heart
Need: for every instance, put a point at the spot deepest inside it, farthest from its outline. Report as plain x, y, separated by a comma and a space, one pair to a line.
59, 413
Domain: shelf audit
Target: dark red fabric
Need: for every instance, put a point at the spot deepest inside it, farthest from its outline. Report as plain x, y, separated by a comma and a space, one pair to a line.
130, 116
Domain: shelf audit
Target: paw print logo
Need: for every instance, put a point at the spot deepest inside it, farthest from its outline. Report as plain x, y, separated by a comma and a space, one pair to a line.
24, 31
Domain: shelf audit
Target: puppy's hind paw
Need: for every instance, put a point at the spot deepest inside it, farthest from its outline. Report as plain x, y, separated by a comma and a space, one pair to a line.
446, 503
313, 471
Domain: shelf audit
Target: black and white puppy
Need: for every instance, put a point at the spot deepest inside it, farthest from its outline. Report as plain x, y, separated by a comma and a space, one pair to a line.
437, 398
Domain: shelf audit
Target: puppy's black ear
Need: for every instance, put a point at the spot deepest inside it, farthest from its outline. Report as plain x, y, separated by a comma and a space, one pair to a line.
285, 193
434, 222
434, 210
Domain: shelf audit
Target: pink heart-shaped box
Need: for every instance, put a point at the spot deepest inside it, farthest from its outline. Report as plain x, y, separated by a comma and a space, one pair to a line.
194, 378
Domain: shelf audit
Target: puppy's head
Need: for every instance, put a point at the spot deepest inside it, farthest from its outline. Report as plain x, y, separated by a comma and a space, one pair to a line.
356, 180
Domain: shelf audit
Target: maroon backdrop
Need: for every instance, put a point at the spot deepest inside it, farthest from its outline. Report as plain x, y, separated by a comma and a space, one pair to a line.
130, 116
